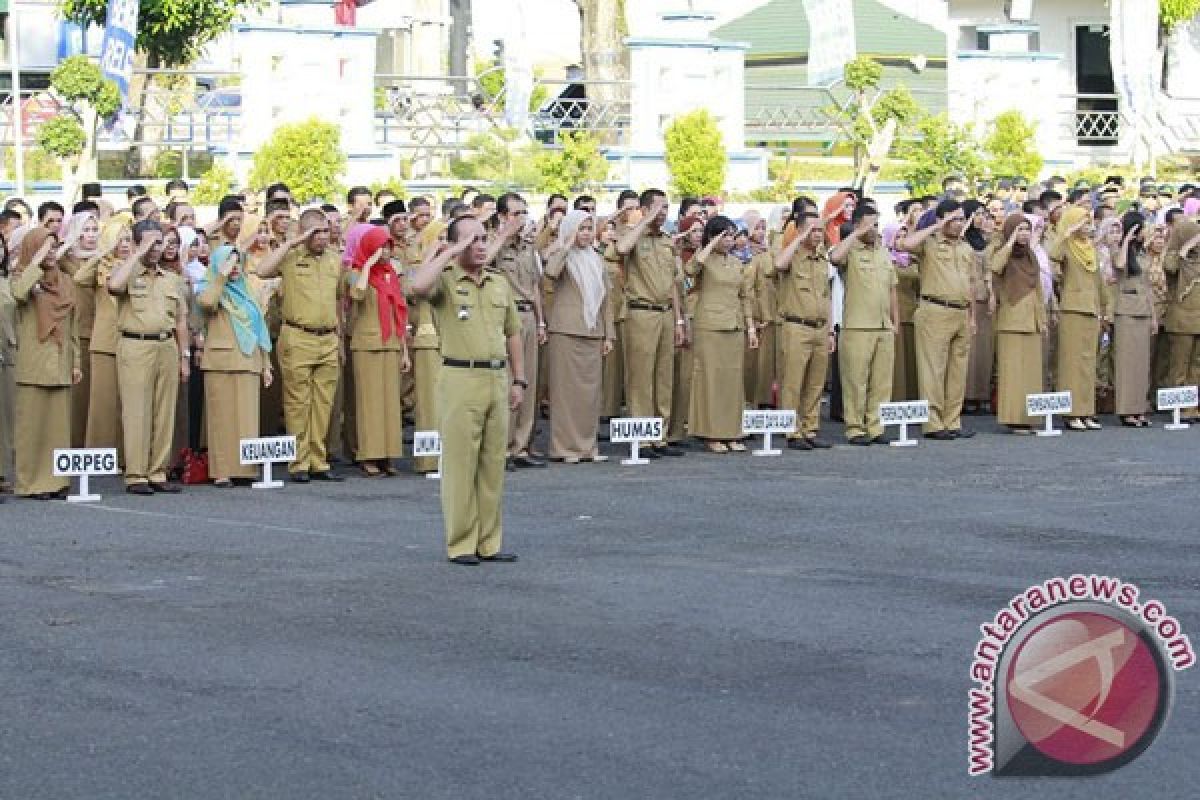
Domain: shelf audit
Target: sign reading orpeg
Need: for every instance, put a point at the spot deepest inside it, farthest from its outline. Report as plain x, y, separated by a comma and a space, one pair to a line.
83, 464
1047, 405
768, 423
268, 451
914, 412
1176, 399
427, 444
635, 430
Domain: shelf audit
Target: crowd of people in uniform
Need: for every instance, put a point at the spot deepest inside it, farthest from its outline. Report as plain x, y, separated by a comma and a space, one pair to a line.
143, 330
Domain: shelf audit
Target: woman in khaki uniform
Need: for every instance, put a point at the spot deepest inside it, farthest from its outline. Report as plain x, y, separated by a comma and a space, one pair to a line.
1134, 324
235, 363
1081, 311
581, 334
425, 347
104, 404
1156, 247
690, 237
378, 342
1182, 266
8, 355
77, 251
1020, 322
255, 245
980, 364
724, 316
48, 365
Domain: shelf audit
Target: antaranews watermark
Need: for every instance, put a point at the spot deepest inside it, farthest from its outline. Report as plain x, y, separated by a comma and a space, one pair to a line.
1073, 677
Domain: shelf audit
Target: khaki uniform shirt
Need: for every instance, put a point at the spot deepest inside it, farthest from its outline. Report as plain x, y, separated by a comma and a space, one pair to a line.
311, 288
85, 302
92, 279
1027, 315
474, 320
615, 263
804, 287
42, 363
1134, 296
151, 302
869, 277
766, 288
725, 297
8, 323
1082, 292
650, 270
366, 332
946, 268
1183, 300
518, 262
221, 351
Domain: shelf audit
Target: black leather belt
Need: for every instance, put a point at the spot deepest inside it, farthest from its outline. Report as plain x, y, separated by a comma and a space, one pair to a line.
640, 306
1129, 291
943, 303
811, 323
495, 363
148, 337
524, 305
306, 329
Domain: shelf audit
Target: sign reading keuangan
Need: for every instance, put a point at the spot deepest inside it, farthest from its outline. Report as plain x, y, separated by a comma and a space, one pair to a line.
268, 450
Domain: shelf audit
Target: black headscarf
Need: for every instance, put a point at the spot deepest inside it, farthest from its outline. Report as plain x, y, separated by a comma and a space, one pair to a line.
1131, 220
973, 235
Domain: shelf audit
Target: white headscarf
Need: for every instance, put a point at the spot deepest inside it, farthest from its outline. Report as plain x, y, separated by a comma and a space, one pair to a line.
584, 264
193, 270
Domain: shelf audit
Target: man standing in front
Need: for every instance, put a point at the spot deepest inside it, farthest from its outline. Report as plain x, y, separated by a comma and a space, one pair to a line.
943, 321
869, 324
480, 343
308, 342
654, 312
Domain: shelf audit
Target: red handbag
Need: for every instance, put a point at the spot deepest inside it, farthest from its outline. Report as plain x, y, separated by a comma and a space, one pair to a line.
195, 466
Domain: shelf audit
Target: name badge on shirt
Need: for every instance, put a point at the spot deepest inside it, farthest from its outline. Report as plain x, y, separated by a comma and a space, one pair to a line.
464, 313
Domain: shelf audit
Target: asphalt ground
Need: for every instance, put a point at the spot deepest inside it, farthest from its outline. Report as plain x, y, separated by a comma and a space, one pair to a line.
703, 627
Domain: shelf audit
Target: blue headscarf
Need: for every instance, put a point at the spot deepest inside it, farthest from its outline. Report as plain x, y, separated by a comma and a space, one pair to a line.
247, 318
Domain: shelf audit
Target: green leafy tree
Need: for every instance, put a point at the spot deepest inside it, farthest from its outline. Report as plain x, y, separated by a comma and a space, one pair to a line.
1172, 13
214, 184
942, 148
577, 167
490, 77
307, 156
874, 119
696, 154
1011, 147
85, 96
39, 165
501, 158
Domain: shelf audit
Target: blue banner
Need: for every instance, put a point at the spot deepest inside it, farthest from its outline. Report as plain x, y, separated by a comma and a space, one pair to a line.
120, 43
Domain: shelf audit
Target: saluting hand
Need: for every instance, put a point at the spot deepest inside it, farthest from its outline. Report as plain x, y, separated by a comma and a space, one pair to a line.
515, 395
76, 376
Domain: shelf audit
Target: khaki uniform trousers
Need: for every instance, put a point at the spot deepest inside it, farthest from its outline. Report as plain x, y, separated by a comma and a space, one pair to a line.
474, 404
426, 366
148, 379
523, 421
104, 406
866, 362
803, 368
8, 410
769, 356
1183, 362
343, 427
683, 364
649, 364
904, 371
943, 349
613, 382
80, 397
310, 376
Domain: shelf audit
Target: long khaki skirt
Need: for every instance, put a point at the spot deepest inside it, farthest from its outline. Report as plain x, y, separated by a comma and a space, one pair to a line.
104, 406
982, 359
681, 392
43, 425
1019, 373
378, 411
576, 367
1078, 341
717, 400
231, 414
1133, 347
81, 398
767, 373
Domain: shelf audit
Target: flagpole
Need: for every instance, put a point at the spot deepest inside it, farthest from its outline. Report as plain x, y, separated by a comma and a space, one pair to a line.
18, 118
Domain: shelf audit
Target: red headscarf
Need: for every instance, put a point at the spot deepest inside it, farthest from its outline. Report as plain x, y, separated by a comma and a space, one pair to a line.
836, 205
393, 311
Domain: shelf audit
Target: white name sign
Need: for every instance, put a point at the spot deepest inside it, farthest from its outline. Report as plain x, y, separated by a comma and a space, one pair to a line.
83, 464
768, 423
428, 444
1176, 399
904, 414
635, 430
268, 451
1047, 405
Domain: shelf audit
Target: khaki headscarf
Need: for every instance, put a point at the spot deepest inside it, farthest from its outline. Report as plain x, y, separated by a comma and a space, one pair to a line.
1022, 272
56, 299
1082, 251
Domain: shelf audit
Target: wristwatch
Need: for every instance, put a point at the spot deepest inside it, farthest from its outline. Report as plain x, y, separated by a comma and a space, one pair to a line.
524, 384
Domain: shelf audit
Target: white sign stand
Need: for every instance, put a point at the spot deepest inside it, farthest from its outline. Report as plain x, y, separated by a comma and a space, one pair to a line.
635, 430
1177, 399
768, 423
267, 451
913, 412
1047, 405
427, 444
83, 464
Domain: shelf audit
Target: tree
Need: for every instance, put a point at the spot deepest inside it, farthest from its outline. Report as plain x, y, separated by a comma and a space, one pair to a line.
696, 154
1172, 13
577, 167
603, 27
214, 184
85, 96
500, 158
490, 76
873, 118
942, 148
1012, 147
307, 156
171, 33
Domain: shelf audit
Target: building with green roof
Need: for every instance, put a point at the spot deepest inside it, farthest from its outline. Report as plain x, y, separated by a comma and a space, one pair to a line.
781, 106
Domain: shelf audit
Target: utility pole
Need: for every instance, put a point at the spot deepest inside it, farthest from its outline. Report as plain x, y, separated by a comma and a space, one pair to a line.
18, 118
460, 37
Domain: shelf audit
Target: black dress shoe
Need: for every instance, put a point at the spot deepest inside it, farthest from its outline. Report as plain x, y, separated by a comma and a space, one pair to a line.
799, 444
500, 558
649, 452
880, 439
528, 461
941, 436
861, 441
670, 450
165, 488
244, 483
327, 476
139, 488
963, 433
509, 466
818, 444
300, 477
465, 561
